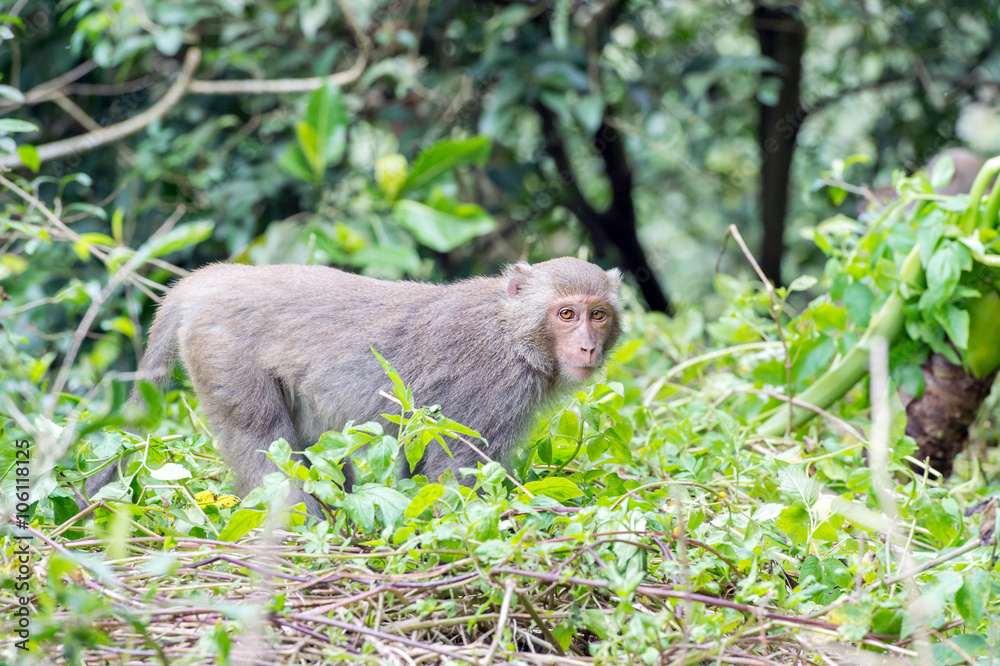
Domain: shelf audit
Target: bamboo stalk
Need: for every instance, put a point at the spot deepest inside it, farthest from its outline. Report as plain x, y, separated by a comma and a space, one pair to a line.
838, 380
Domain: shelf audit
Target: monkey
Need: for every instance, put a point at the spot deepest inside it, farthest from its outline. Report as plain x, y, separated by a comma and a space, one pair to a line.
285, 351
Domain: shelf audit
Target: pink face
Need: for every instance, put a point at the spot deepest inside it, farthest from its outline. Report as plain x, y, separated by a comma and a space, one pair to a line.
578, 324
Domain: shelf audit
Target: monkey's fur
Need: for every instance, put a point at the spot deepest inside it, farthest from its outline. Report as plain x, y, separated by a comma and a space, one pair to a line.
285, 351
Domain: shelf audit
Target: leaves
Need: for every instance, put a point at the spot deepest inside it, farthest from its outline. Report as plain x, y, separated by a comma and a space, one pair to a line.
321, 138
360, 505
443, 224
170, 472
241, 523
554, 487
12, 125
444, 156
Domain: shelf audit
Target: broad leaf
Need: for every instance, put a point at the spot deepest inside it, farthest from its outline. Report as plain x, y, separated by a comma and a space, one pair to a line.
443, 156
558, 488
446, 226
241, 523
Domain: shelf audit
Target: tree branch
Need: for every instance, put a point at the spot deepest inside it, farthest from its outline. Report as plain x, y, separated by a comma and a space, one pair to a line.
278, 86
111, 133
615, 227
182, 86
589, 217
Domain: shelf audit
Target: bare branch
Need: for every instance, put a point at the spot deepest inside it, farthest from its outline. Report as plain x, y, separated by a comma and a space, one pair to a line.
182, 86
120, 130
278, 86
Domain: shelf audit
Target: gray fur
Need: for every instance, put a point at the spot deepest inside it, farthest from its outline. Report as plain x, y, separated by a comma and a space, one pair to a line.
284, 351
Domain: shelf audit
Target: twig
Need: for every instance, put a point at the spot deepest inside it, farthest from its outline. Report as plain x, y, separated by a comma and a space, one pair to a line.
365, 631
502, 620
962, 550
652, 591
277, 86
118, 131
775, 312
139, 281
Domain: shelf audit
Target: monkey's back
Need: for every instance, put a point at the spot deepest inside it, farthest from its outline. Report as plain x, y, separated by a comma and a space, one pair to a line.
308, 331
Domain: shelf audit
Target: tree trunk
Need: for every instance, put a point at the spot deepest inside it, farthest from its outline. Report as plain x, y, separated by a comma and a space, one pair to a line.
614, 228
939, 420
781, 33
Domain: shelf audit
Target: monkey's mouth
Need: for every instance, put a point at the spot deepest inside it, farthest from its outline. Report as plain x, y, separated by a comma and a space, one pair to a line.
578, 371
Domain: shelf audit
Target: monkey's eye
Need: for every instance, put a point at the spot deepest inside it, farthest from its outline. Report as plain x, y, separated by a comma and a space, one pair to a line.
566, 314
599, 315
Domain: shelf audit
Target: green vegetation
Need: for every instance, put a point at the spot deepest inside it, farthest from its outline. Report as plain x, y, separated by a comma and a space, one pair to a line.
677, 511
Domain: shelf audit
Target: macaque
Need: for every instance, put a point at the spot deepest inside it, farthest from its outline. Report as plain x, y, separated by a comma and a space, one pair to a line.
285, 352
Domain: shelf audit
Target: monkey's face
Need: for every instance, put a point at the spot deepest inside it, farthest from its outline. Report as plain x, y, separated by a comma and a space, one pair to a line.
579, 328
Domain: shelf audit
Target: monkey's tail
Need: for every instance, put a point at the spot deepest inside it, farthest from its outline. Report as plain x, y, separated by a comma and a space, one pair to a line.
161, 353
161, 348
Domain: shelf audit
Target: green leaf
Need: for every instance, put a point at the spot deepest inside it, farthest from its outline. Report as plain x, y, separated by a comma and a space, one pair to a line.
154, 399
308, 143
176, 239
859, 301
295, 164
971, 645
168, 40
414, 448
494, 550
391, 172
943, 272
569, 424
972, 598
801, 489
446, 227
935, 597
12, 125
956, 324
400, 257
9, 91
398, 387
943, 171
589, 111
29, 156
360, 505
802, 283
794, 521
930, 229
810, 567
835, 572
427, 496
382, 456
983, 352
443, 156
596, 447
545, 451
117, 224
241, 523
327, 117
557, 488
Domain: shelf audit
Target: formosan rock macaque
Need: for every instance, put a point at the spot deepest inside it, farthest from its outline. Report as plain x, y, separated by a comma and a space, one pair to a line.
285, 352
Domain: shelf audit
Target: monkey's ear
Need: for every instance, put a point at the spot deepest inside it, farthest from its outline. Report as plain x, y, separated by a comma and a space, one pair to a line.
518, 276
615, 276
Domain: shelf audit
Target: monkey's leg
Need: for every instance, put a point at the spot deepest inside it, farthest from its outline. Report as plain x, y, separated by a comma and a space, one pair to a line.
245, 427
